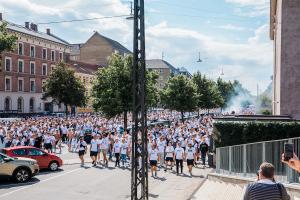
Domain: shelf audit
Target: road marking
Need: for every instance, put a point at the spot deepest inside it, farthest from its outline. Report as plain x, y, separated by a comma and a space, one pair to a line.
43, 181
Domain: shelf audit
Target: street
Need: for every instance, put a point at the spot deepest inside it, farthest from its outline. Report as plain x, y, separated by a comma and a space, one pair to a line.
77, 183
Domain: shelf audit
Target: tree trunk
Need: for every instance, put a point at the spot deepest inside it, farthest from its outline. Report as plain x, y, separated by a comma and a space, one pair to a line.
182, 117
198, 113
125, 120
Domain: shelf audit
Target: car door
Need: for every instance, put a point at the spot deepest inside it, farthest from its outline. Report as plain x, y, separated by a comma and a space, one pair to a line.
40, 156
6, 167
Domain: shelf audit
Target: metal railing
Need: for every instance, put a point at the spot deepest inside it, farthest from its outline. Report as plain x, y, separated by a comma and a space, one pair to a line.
244, 160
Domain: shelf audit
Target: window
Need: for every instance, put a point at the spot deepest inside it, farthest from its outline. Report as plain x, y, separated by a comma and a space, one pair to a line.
161, 71
44, 69
20, 66
20, 104
61, 56
20, 49
7, 83
8, 64
35, 152
32, 51
32, 85
7, 103
20, 152
52, 55
32, 68
31, 104
44, 54
20, 85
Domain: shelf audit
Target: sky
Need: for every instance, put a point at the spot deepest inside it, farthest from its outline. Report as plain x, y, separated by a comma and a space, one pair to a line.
231, 35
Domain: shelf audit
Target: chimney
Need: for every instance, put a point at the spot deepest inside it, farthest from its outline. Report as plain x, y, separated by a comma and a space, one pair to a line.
0, 16
33, 27
48, 31
27, 25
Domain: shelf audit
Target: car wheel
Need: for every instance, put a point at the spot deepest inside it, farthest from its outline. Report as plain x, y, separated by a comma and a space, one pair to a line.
22, 175
53, 166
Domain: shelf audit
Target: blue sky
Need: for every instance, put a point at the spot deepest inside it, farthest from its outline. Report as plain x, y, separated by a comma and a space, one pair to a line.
232, 35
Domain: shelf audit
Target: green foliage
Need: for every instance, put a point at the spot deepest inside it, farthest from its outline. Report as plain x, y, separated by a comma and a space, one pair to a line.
63, 87
266, 112
112, 90
7, 41
227, 90
208, 94
227, 133
179, 94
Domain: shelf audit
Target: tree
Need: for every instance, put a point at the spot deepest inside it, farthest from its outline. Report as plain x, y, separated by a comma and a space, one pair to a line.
112, 90
227, 91
63, 87
179, 94
207, 92
7, 41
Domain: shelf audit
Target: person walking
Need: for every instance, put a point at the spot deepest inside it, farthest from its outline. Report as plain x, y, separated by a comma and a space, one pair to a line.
265, 187
153, 157
116, 151
179, 155
94, 150
203, 147
190, 154
124, 149
82, 147
169, 156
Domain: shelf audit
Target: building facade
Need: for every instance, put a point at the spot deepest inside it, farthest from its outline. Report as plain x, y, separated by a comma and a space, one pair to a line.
24, 70
164, 70
285, 32
96, 50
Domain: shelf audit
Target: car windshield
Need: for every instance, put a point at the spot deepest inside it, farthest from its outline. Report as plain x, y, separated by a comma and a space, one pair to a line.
2, 156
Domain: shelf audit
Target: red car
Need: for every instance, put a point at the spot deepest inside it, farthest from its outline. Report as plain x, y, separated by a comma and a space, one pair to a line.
45, 160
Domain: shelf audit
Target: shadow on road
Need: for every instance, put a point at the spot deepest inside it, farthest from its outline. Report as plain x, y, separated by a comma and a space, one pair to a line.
7, 183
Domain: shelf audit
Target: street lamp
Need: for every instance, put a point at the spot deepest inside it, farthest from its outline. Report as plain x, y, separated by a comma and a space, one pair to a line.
199, 60
130, 17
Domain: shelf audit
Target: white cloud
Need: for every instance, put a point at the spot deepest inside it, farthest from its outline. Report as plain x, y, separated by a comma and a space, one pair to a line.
232, 27
251, 8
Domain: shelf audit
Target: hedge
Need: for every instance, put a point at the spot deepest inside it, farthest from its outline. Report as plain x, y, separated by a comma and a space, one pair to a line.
228, 133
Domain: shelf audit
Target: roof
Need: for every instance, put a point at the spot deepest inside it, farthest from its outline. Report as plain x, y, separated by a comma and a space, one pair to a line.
116, 45
23, 29
160, 64
183, 69
84, 68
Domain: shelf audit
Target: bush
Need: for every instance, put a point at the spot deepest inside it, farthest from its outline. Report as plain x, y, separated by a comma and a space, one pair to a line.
233, 133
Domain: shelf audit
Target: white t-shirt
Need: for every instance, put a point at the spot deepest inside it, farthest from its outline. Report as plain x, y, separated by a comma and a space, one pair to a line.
169, 151
104, 143
153, 154
179, 153
117, 147
161, 146
190, 152
94, 145
47, 139
124, 148
81, 145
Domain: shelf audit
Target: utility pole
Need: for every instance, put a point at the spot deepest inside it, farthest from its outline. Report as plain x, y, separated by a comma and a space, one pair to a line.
139, 172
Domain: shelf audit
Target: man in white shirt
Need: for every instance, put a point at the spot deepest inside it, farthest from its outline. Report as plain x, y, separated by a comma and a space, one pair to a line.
179, 155
169, 155
190, 155
161, 150
94, 150
153, 156
116, 151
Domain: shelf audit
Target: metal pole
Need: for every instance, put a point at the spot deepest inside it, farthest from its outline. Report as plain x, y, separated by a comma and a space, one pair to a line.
139, 174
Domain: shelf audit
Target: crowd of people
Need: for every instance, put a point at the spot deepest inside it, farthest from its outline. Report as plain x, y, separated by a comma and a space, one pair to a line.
169, 143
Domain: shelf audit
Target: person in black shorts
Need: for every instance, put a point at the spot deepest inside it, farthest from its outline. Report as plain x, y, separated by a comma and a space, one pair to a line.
82, 147
153, 156
169, 156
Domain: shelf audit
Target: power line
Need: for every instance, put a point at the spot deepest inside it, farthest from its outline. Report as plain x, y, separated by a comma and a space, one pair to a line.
81, 20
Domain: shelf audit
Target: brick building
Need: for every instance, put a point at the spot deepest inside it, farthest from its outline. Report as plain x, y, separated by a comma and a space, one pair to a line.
96, 50
285, 32
24, 70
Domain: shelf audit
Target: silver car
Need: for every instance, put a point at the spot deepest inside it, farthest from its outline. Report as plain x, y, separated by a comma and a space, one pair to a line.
20, 169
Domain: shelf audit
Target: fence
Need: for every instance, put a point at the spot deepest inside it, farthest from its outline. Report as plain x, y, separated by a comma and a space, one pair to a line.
244, 160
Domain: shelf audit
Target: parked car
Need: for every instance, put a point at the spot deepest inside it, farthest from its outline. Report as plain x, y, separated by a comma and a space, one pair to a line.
45, 160
20, 169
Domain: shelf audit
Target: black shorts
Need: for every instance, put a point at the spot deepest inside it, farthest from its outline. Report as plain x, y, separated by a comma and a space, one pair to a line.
153, 163
48, 146
169, 159
190, 162
93, 153
81, 152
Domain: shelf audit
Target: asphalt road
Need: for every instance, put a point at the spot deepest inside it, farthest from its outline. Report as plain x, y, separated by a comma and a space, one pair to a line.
99, 183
